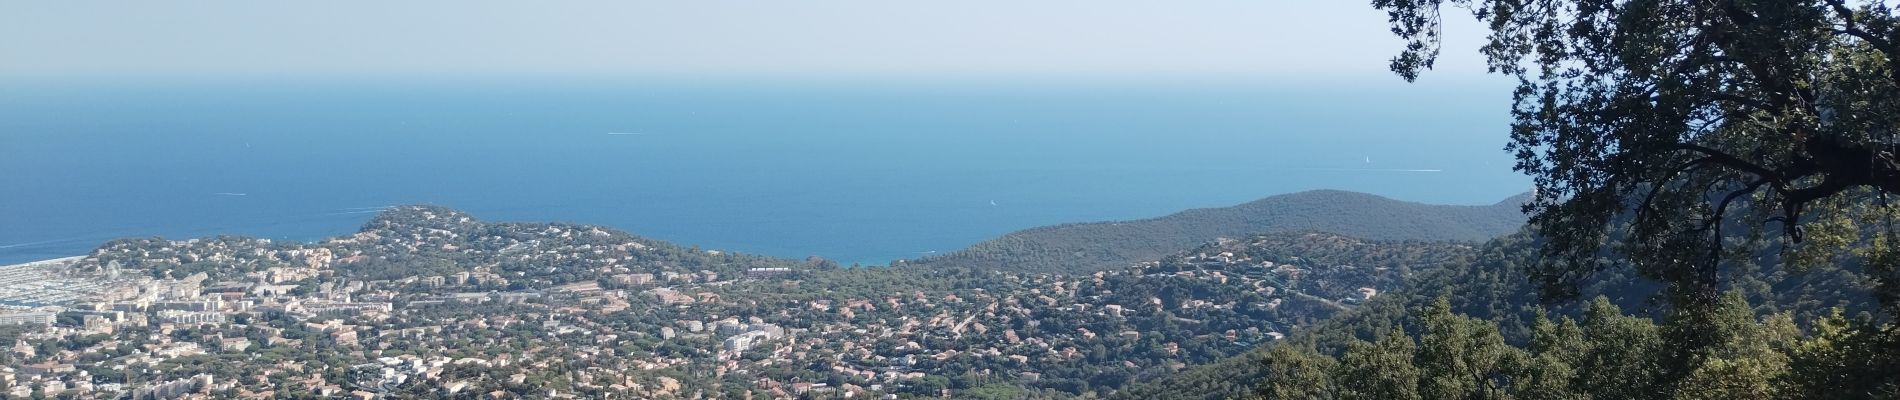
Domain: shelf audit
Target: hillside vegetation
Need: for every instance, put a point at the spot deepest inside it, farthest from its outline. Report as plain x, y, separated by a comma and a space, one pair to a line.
1086, 247
1493, 288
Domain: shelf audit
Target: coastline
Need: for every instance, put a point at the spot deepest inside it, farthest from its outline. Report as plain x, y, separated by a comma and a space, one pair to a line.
45, 263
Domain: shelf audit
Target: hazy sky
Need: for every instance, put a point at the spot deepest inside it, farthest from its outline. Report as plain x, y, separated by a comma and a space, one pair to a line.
1219, 39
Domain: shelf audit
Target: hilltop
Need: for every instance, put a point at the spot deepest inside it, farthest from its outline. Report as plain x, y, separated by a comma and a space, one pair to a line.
421, 241
1086, 247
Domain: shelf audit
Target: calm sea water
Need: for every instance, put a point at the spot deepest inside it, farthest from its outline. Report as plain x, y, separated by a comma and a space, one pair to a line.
860, 172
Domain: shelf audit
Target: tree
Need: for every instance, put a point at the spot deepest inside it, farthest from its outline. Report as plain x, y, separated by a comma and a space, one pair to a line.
1379, 370
1551, 374
929, 385
1687, 119
1742, 363
1460, 357
1622, 359
1297, 373
1844, 358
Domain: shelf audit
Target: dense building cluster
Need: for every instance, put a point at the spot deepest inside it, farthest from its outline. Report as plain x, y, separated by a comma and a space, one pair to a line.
427, 302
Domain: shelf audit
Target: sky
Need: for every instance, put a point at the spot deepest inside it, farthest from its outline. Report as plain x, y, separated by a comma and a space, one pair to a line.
1115, 39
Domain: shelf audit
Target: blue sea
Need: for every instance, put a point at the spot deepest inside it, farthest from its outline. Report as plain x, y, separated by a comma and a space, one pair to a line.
856, 172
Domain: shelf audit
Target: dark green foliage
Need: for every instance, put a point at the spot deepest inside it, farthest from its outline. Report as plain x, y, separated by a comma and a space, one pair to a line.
1675, 135
1295, 372
1691, 121
1462, 358
1618, 356
1494, 287
1607, 356
1845, 358
1107, 245
1379, 370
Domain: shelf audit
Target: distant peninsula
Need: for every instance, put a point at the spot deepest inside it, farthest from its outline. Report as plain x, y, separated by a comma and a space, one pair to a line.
1085, 247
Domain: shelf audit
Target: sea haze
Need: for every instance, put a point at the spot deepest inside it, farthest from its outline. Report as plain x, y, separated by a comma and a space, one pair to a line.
852, 172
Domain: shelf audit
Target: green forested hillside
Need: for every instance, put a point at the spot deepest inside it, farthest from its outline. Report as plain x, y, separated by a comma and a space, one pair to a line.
1104, 245
1493, 288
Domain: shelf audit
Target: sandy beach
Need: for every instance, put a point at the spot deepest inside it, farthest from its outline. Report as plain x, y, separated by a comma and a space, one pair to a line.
45, 263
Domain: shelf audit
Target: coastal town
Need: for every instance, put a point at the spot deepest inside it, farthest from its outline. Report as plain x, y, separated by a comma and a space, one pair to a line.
428, 302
